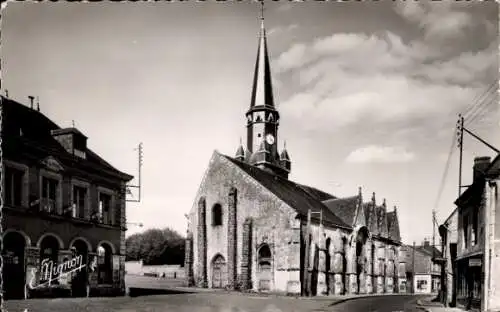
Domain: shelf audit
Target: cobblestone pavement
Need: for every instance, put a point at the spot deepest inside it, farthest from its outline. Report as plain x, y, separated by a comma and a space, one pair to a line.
214, 302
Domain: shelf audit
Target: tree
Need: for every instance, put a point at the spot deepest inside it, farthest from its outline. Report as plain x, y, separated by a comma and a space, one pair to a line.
156, 246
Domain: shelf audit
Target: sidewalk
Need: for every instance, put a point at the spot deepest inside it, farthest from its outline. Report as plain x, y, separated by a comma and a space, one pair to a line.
431, 306
441, 309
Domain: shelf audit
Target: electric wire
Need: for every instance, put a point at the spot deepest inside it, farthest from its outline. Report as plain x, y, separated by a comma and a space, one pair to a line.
475, 102
445, 173
486, 103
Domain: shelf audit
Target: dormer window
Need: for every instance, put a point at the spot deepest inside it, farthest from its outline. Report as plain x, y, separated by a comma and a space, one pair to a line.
217, 215
73, 141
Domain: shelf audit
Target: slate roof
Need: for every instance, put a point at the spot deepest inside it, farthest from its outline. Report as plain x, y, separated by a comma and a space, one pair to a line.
371, 218
393, 225
37, 143
382, 221
298, 196
345, 208
429, 250
314, 192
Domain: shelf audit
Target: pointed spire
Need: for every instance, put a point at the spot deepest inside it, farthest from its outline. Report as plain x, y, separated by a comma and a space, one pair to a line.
262, 92
384, 204
284, 154
240, 153
373, 199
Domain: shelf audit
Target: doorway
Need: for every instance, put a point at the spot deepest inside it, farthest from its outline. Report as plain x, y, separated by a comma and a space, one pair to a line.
264, 268
218, 272
13, 265
79, 280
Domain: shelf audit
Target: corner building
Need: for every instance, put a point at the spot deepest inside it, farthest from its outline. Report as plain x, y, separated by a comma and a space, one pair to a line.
248, 227
61, 200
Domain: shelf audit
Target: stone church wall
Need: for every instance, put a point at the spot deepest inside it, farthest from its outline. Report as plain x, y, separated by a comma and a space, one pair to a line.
257, 211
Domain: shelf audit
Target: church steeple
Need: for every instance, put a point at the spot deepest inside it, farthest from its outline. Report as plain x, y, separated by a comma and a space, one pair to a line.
263, 118
262, 92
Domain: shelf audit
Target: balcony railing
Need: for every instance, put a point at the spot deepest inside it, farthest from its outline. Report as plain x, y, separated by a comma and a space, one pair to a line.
47, 205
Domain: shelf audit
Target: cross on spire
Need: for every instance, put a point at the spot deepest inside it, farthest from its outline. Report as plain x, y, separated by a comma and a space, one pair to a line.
261, 9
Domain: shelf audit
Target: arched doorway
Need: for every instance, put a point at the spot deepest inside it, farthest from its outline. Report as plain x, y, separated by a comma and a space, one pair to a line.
49, 251
79, 280
218, 272
105, 264
361, 259
264, 268
13, 265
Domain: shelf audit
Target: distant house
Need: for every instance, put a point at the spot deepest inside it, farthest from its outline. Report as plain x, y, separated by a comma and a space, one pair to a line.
164, 270
423, 273
449, 239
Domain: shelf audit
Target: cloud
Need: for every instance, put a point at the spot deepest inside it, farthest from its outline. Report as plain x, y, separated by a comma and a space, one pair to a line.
380, 154
279, 30
445, 22
380, 82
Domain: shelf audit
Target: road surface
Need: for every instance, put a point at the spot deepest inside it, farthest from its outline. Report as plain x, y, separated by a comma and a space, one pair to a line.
215, 302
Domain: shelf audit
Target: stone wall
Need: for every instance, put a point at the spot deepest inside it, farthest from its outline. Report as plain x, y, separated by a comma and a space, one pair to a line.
270, 217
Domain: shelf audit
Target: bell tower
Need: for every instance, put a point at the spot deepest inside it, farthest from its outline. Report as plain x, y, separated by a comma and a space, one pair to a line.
262, 116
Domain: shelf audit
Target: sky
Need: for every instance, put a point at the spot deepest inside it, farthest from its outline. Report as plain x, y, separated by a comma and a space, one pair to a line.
369, 92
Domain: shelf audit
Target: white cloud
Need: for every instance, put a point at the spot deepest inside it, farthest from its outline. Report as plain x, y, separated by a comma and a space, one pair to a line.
279, 30
354, 78
380, 154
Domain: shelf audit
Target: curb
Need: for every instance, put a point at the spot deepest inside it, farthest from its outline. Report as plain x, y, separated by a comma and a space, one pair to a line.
367, 296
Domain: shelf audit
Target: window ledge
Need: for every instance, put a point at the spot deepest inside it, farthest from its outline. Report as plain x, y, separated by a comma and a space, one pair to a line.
60, 217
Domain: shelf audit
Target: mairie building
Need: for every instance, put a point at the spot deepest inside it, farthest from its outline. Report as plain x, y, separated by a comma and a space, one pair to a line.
64, 207
252, 229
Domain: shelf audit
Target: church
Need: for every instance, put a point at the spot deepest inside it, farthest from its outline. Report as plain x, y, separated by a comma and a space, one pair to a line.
253, 229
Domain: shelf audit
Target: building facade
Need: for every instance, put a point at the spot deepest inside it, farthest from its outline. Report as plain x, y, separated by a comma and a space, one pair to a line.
61, 202
478, 247
449, 240
423, 273
253, 229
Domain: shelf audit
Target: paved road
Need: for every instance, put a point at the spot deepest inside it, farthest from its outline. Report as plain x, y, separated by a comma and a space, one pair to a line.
214, 302
379, 304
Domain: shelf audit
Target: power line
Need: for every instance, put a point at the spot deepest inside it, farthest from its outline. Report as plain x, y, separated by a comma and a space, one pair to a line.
485, 100
482, 112
445, 173
475, 101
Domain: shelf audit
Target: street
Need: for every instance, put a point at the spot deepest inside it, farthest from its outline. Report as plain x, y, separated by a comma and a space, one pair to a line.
217, 302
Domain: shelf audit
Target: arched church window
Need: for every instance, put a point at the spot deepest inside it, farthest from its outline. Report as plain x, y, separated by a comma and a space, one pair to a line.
217, 215
270, 118
258, 119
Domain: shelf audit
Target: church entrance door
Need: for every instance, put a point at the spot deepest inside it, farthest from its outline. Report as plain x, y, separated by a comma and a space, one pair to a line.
264, 270
218, 272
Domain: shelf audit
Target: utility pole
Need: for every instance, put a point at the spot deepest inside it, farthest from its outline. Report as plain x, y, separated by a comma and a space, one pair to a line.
413, 264
138, 186
460, 125
460, 132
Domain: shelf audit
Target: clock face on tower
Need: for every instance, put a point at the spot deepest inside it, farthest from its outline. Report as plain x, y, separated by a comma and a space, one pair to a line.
270, 139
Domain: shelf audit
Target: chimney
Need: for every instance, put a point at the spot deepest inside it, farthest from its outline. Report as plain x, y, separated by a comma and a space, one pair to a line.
31, 100
480, 166
37, 104
426, 243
